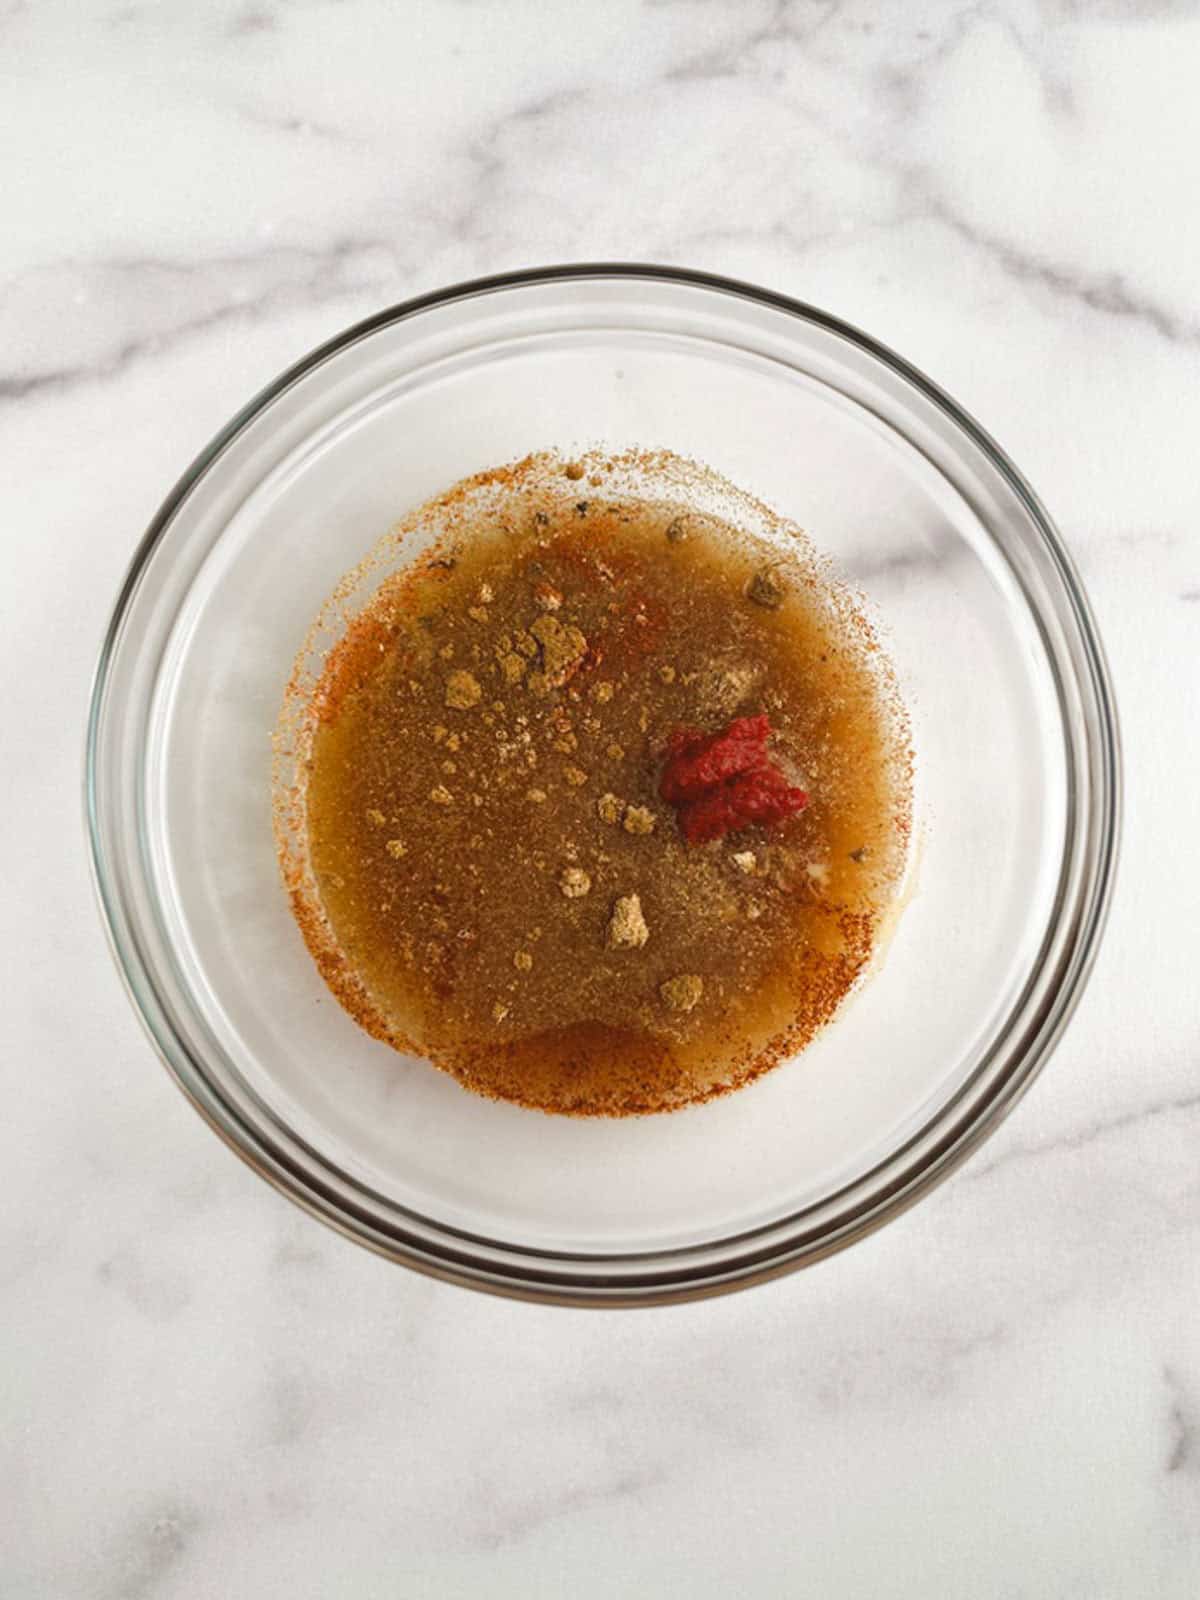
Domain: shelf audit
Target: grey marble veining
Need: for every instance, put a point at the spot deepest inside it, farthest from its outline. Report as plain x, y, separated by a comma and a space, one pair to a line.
204, 1392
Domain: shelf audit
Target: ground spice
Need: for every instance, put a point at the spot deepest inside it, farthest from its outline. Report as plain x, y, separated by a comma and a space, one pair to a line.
432, 965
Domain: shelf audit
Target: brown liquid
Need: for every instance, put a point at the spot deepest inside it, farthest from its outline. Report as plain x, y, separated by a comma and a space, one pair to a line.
442, 837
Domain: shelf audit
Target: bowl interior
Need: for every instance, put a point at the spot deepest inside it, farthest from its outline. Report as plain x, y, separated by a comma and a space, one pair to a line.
910, 514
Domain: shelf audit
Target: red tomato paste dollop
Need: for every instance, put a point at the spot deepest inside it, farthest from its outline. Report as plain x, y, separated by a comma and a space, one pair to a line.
722, 782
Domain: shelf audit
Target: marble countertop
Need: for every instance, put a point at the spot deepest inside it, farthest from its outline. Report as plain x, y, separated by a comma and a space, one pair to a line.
205, 1393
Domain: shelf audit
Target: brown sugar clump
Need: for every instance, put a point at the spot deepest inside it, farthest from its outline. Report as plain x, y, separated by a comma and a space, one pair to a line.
463, 691
512, 667
563, 648
720, 691
440, 795
638, 819
682, 993
523, 961
397, 849
627, 928
766, 588
574, 882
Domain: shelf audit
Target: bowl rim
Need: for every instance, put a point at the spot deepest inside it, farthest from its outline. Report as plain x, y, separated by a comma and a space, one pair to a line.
452, 1260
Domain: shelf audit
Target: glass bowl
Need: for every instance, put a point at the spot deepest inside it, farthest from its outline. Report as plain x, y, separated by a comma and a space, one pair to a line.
1016, 801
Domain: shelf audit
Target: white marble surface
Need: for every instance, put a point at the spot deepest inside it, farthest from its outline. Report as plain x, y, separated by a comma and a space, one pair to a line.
204, 1393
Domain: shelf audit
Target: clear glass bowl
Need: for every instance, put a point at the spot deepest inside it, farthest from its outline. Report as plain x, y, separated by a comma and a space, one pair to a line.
1017, 782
